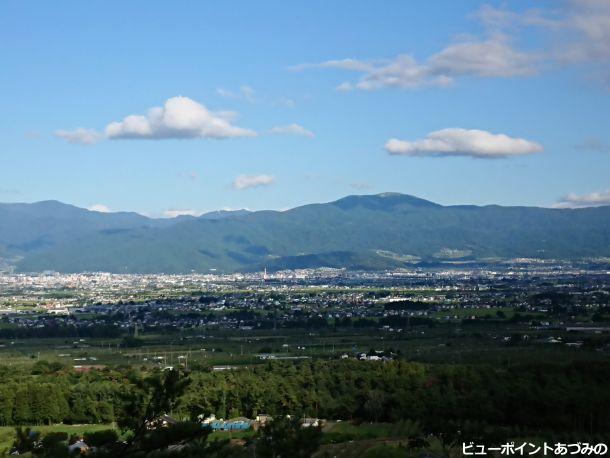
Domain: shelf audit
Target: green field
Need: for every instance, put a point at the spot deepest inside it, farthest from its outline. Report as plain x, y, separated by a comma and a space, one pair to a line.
479, 342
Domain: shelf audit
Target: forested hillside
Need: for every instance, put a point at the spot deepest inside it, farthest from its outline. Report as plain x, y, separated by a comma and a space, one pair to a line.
359, 232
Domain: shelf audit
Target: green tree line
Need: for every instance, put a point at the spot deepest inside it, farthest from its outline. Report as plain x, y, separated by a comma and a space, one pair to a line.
522, 399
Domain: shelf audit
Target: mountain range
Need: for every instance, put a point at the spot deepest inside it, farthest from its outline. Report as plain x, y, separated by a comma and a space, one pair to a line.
380, 231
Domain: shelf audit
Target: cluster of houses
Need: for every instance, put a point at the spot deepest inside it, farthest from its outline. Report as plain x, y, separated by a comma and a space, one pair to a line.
244, 424
235, 424
373, 355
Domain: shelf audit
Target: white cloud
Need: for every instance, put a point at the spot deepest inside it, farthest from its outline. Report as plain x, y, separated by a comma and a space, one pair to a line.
494, 57
584, 30
486, 58
345, 87
594, 199
463, 142
576, 32
292, 129
245, 93
252, 181
226, 93
582, 37
573, 32
182, 212
180, 117
101, 208
402, 72
80, 136
582, 27
495, 19
227, 115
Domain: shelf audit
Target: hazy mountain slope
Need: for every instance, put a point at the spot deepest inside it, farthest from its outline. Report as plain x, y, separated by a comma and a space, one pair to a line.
26, 227
222, 214
31, 227
379, 231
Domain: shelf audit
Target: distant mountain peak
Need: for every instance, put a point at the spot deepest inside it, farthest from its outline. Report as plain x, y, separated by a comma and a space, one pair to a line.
222, 214
385, 200
50, 204
390, 194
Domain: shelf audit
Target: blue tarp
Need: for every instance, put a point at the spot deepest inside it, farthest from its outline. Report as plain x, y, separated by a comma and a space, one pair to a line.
229, 425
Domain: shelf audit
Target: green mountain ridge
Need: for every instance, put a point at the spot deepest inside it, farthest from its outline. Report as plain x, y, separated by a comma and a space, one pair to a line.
387, 230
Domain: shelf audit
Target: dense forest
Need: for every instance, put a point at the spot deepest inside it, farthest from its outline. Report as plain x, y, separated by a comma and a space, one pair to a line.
544, 399
143, 433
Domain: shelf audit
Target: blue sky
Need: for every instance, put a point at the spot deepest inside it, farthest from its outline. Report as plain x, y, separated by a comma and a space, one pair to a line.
276, 104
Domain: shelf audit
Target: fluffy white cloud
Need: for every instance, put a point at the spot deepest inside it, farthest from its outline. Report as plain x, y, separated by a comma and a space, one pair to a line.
80, 136
595, 199
101, 208
252, 181
292, 129
463, 142
182, 212
180, 117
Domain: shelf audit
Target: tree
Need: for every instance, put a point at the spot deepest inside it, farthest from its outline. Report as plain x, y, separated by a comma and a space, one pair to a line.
54, 445
131, 342
7, 398
21, 407
285, 437
101, 438
374, 405
156, 396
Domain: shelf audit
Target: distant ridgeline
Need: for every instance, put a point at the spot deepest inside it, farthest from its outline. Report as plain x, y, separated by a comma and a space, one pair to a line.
359, 232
